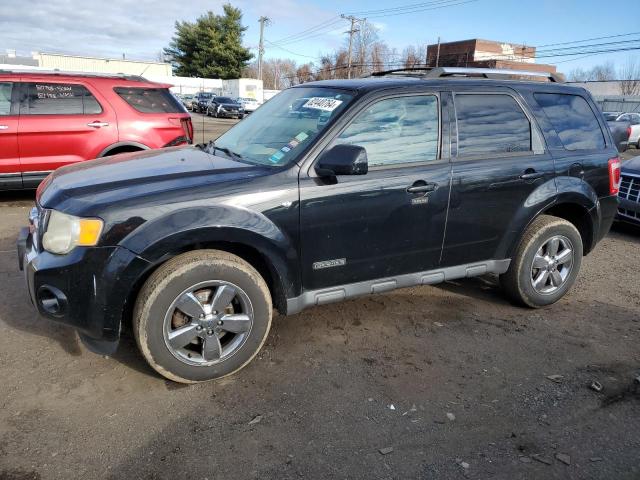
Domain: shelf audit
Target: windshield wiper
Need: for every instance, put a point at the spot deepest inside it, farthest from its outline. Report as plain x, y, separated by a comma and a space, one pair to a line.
211, 148
230, 153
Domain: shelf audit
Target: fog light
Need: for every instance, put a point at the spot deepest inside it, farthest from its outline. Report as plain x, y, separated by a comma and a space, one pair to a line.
52, 300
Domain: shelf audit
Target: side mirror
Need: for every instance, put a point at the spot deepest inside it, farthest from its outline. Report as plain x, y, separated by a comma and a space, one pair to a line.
342, 160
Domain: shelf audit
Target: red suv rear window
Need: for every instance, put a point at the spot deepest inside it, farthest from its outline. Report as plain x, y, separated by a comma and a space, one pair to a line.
151, 100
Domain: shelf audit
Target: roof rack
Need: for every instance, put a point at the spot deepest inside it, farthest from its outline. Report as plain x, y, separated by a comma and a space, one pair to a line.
18, 71
442, 72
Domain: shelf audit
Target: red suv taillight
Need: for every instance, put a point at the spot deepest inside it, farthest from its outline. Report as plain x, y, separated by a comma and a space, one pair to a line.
614, 175
187, 126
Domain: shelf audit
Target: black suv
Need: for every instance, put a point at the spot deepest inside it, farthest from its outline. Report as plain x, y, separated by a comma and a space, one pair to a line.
201, 101
410, 178
221, 107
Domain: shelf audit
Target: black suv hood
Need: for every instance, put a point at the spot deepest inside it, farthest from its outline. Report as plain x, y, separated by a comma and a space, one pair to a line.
632, 165
134, 174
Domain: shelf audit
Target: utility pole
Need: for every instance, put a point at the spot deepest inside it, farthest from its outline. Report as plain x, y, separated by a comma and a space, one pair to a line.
263, 20
351, 32
363, 31
438, 53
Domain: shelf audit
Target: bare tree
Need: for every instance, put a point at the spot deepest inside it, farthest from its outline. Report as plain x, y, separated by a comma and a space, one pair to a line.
380, 55
326, 70
277, 73
304, 73
412, 56
630, 78
578, 75
603, 72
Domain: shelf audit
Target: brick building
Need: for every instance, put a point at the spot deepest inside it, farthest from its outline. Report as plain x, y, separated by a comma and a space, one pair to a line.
486, 54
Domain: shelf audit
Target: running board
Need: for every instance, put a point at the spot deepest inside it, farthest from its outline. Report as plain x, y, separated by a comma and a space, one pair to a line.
430, 277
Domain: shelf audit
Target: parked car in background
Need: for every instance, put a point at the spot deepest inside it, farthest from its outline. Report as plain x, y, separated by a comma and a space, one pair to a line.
634, 120
48, 120
225, 107
620, 130
201, 101
187, 100
249, 104
195, 246
629, 194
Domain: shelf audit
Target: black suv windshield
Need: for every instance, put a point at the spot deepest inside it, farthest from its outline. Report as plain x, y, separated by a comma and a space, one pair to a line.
278, 131
225, 100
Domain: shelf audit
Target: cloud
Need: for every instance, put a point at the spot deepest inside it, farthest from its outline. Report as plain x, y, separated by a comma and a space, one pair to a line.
139, 29
74, 26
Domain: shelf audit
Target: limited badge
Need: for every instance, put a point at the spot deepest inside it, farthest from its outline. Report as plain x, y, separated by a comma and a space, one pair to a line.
337, 262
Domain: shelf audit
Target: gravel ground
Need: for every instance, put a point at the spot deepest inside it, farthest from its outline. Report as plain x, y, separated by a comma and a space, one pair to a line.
429, 382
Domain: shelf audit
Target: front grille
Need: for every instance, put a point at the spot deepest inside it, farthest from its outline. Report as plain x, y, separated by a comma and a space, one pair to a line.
629, 188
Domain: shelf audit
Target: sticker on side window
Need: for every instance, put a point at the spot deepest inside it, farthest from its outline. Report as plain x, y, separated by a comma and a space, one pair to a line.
322, 103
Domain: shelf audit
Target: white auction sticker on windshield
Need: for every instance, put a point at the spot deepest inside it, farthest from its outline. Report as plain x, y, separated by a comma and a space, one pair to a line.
323, 103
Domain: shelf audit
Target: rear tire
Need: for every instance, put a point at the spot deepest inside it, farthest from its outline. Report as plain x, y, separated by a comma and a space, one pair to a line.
546, 263
201, 316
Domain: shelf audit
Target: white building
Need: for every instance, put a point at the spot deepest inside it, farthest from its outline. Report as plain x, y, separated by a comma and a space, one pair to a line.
155, 71
74, 63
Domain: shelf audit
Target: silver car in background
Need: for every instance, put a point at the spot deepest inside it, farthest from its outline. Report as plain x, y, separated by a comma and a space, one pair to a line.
249, 104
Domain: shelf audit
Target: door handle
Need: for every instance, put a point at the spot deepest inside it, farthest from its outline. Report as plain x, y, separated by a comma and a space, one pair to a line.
97, 124
424, 188
4, 127
531, 175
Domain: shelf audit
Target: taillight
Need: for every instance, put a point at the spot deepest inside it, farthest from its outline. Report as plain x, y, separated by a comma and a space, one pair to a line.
187, 126
614, 176
628, 132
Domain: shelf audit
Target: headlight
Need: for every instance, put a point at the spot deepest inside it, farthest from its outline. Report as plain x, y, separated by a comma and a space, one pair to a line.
65, 232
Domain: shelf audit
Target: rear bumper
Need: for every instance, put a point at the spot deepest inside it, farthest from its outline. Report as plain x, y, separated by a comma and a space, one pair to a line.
608, 209
87, 288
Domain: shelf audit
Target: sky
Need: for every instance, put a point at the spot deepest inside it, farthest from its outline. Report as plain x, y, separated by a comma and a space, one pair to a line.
142, 28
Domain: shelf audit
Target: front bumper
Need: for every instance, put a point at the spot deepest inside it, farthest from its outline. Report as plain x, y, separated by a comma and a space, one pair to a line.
88, 288
230, 113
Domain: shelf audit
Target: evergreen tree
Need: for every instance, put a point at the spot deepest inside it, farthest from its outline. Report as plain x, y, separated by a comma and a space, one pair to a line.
211, 47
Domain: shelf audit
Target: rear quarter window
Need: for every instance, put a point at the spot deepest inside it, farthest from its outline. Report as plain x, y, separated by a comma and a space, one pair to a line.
150, 100
573, 120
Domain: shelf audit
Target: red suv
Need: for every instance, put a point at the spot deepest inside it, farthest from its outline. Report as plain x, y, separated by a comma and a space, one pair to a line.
48, 120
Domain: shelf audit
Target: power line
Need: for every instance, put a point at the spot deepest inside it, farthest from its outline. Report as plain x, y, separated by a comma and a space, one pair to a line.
289, 51
323, 27
450, 3
548, 50
589, 39
410, 8
296, 37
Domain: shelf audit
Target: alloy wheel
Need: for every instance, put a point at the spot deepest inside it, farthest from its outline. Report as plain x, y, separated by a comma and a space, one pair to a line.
208, 323
552, 265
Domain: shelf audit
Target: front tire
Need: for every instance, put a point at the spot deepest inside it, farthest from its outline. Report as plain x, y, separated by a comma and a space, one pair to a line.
202, 315
546, 263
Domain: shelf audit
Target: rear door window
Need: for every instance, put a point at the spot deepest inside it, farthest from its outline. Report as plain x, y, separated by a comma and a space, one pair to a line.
491, 124
5, 98
573, 120
58, 99
150, 100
